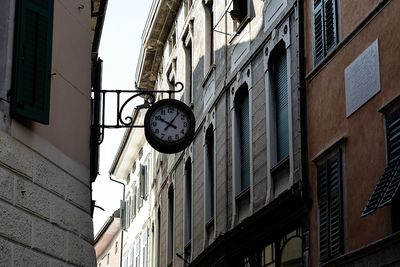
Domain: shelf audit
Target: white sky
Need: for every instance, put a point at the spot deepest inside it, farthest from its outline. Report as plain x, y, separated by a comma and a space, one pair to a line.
119, 49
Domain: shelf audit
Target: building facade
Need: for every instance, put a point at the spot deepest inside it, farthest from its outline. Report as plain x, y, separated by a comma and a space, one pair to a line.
133, 166
353, 131
45, 104
234, 197
108, 242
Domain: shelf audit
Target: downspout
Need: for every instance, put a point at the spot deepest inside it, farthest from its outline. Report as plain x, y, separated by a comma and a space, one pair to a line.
303, 131
122, 230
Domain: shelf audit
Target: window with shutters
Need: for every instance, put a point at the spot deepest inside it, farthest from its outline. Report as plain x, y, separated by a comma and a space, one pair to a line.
325, 28
209, 173
32, 60
170, 233
387, 189
188, 202
143, 184
330, 207
209, 37
242, 155
279, 104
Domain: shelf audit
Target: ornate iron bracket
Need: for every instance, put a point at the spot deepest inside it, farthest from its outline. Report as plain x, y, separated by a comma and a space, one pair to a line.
123, 99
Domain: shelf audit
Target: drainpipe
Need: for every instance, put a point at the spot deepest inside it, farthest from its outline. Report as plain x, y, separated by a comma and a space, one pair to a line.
122, 230
303, 129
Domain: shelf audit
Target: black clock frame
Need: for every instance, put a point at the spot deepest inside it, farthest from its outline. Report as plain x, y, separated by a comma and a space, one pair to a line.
169, 147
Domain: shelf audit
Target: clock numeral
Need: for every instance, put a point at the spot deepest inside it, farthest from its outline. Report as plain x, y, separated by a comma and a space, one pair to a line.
156, 131
170, 110
185, 124
182, 131
162, 136
182, 117
163, 112
158, 117
169, 138
154, 124
176, 136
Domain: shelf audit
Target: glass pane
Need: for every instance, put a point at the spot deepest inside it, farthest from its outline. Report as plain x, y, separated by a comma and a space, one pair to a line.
291, 254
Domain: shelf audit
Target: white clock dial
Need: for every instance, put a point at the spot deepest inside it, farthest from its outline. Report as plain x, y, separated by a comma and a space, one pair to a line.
169, 123
169, 126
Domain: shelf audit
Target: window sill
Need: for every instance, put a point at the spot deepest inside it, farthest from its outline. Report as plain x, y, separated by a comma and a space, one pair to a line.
243, 194
284, 163
240, 28
208, 75
210, 223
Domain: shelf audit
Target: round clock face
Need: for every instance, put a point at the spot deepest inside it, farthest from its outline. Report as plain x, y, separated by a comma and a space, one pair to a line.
169, 126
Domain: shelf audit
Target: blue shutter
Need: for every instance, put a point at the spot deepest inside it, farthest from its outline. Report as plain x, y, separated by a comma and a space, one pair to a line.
244, 124
32, 61
282, 107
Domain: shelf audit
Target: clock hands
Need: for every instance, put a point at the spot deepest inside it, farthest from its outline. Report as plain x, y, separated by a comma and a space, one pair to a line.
170, 123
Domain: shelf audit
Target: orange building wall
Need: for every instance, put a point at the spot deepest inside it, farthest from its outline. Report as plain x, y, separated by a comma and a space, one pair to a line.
365, 149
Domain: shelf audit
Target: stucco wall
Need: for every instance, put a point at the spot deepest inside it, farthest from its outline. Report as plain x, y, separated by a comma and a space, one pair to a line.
364, 131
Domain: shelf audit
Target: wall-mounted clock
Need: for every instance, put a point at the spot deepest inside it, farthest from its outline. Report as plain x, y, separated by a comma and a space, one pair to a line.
169, 126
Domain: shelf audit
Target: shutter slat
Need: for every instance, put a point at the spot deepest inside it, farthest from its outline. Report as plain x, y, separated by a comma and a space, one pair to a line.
392, 186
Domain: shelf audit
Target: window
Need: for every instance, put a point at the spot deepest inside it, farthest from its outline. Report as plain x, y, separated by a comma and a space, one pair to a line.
158, 261
325, 28
143, 183
144, 248
32, 60
386, 191
134, 201
188, 202
209, 173
209, 37
132, 257
330, 218
242, 116
283, 251
170, 232
279, 104
189, 72
240, 13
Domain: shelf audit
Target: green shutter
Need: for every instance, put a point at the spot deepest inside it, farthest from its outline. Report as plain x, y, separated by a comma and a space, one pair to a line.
244, 126
330, 208
282, 107
335, 205
32, 60
318, 31
325, 33
330, 25
323, 212
393, 136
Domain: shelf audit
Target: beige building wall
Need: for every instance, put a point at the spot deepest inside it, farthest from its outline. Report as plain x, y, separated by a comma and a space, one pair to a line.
45, 191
